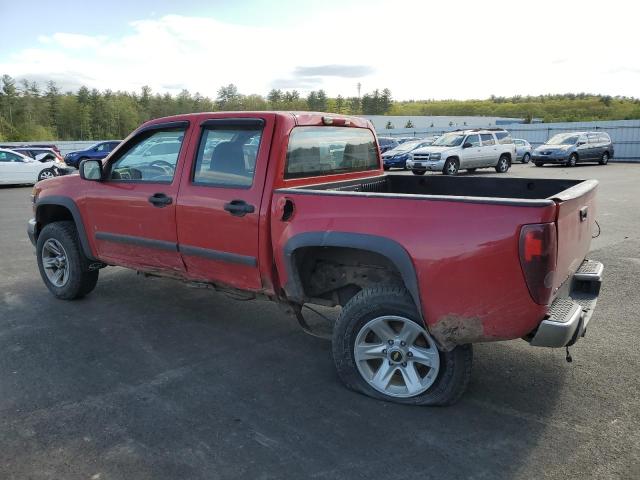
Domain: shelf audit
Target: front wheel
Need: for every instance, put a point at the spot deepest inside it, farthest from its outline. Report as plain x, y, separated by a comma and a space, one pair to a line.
418, 172
386, 168
503, 164
46, 173
526, 158
604, 159
573, 159
539, 164
62, 263
450, 167
381, 349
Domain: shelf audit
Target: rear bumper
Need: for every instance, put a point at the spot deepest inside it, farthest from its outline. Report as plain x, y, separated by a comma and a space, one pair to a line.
570, 313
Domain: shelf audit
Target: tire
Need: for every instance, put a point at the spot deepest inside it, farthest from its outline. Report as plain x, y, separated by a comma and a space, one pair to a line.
46, 173
539, 164
443, 384
604, 159
572, 160
418, 172
79, 281
451, 167
503, 164
471, 170
386, 168
526, 158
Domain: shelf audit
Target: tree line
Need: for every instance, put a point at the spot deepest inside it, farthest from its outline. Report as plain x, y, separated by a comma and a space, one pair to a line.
29, 111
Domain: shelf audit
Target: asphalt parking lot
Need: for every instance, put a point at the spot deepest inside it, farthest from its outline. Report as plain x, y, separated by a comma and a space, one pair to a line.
153, 379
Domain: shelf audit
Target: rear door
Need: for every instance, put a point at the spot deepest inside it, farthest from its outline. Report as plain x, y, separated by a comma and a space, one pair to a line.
489, 150
132, 212
218, 212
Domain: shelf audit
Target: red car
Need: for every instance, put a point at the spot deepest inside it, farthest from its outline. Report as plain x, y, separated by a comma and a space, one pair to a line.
296, 208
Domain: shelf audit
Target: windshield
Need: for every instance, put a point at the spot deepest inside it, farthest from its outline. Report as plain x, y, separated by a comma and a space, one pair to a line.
563, 139
449, 140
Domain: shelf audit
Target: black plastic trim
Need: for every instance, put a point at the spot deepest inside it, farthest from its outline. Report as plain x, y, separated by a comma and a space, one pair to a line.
138, 241
162, 126
70, 205
233, 122
218, 255
383, 246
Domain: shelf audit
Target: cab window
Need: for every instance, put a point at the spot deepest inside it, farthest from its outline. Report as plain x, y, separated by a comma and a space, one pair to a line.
318, 151
487, 139
152, 158
227, 155
474, 140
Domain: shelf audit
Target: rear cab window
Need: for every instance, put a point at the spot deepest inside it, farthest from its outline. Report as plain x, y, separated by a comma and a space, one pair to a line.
319, 151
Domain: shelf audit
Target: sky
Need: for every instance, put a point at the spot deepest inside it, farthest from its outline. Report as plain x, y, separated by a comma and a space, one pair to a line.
418, 49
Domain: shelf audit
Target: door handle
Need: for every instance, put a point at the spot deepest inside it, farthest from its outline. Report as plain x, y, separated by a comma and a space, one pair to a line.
160, 200
239, 208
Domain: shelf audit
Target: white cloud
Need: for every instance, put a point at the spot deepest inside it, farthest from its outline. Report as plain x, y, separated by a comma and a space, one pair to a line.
417, 49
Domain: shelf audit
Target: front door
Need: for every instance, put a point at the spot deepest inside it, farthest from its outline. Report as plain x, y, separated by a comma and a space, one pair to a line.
132, 211
218, 210
471, 157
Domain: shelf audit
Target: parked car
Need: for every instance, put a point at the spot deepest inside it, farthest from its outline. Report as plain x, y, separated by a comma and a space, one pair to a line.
465, 150
523, 150
422, 270
387, 143
97, 152
571, 148
36, 146
16, 168
39, 153
402, 140
397, 157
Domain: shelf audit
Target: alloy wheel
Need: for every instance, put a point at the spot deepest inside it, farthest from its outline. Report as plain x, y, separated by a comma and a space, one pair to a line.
396, 356
55, 263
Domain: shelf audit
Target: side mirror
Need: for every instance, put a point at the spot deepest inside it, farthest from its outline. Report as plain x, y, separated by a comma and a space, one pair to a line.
467, 145
91, 170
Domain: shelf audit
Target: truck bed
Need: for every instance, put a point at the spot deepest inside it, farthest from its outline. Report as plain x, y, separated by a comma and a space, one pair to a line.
507, 190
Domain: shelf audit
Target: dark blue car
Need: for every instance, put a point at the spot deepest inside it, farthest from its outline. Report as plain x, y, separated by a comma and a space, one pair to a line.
96, 152
397, 157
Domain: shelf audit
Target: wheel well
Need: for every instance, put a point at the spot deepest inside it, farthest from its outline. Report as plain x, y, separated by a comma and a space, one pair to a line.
52, 213
508, 155
454, 157
333, 275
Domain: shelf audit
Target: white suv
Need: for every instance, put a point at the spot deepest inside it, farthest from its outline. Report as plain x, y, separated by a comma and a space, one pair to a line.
465, 150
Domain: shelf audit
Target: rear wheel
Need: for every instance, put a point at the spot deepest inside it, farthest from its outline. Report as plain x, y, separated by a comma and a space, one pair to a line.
381, 349
503, 164
539, 164
418, 172
450, 167
573, 159
62, 264
526, 158
46, 173
604, 159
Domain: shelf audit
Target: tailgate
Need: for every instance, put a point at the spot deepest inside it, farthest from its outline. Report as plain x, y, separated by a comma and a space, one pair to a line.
575, 220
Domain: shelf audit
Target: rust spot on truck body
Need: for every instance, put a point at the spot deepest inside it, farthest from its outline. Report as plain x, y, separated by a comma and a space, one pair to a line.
452, 330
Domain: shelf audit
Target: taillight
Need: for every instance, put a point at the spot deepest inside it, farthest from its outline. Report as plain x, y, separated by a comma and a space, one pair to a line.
538, 254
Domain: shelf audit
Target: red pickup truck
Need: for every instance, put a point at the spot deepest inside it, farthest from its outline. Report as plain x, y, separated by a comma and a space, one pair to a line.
296, 208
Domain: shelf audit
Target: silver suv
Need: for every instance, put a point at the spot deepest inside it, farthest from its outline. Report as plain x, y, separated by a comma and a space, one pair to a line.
465, 150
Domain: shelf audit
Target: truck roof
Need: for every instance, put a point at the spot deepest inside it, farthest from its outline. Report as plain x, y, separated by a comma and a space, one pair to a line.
300, 118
